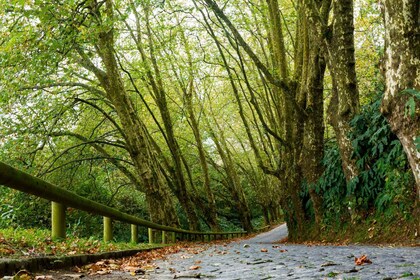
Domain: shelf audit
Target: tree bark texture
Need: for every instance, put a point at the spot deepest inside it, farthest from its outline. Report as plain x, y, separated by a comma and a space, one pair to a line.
211, 204
311, 38
402, 72
291, 123
158, 197
233, 182
153, 75
344, 103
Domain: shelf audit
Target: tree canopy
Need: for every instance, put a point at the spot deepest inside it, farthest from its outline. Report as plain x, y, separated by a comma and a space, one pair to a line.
216, 114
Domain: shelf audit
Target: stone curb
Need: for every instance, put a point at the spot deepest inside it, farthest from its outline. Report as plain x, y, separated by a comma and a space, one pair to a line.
12, 266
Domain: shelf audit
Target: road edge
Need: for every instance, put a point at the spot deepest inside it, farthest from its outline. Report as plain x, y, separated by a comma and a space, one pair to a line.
12, 266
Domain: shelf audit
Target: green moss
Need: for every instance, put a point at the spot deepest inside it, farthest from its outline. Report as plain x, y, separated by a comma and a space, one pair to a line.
332, 274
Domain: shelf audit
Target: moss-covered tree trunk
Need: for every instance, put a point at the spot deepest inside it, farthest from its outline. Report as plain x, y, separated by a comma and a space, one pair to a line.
290, 123
233, 181
153, 76
209, 208
211, 203
158, 196
344, 103
402, 73
310, 70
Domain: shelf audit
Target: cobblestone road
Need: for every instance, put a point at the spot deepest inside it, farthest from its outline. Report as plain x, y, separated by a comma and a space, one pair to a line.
258, 258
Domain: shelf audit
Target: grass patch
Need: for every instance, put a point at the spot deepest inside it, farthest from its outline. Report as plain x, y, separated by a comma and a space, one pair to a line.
38, 242
332, 274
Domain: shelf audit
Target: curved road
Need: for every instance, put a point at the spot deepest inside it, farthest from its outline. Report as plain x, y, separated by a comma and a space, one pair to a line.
271, 236
259, 258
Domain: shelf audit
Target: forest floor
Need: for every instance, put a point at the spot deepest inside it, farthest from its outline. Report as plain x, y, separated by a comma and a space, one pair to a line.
263, 256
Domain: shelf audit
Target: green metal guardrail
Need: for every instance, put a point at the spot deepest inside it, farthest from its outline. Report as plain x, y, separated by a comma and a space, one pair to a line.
62, 198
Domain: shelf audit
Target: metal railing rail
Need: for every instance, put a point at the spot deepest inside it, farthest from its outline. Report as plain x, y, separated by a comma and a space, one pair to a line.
22, 181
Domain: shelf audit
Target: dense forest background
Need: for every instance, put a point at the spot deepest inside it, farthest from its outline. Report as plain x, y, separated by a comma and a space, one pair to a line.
216, 114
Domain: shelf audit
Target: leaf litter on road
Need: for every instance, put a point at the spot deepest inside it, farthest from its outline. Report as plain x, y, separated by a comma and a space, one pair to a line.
145, 261
362, 260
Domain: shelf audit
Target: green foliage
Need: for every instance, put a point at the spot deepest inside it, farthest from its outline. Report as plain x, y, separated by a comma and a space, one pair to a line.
410, 105
332, 184
384, 184
417, 142
21, 209
385, 177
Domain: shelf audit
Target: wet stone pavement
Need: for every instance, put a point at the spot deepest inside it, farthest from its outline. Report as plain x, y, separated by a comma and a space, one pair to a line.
251, 259
258, 258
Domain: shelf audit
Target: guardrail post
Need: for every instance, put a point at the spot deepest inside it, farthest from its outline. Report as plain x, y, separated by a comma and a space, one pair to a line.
107, 229
163, 237
150, 233
134, 234
58, 220
173, 237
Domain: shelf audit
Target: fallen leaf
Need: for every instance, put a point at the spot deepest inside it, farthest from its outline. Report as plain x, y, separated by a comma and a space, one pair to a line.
197, 262
23, 275
195, 267
264, 250
103, 272
362, 260
283, 250
172, 270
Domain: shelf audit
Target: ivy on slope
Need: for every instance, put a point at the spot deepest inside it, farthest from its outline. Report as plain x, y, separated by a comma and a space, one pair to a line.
385, 182
385, 177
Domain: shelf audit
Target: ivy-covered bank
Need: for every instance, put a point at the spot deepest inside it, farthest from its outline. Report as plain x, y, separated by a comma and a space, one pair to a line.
379, 205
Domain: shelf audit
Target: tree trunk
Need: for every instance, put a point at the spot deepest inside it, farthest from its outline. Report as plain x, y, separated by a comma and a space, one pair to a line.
211, 204
402, 72
158, 196
312, 85
233, 181
181, 190
266, 215
290, 122
344, 103
155, 80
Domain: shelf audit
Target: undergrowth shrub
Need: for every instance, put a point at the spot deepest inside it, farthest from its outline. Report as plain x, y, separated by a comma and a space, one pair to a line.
385, 182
